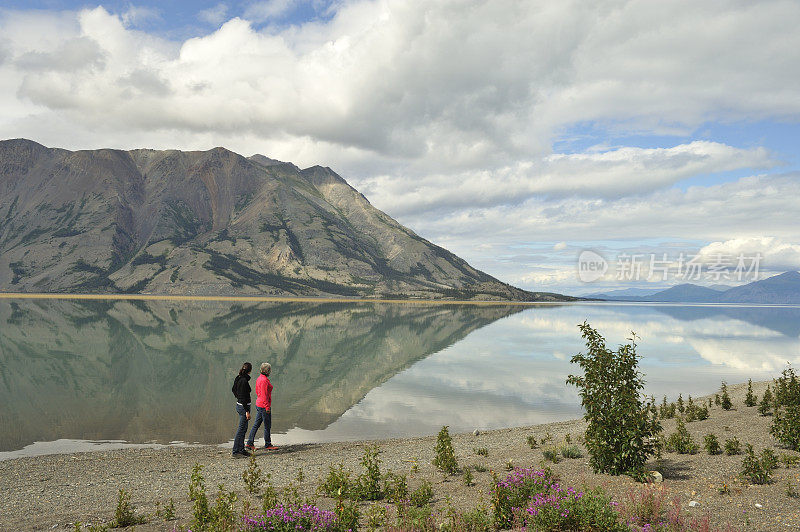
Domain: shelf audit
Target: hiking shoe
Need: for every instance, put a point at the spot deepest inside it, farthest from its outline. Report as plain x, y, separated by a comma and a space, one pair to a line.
250, 447
241, 454
269, 448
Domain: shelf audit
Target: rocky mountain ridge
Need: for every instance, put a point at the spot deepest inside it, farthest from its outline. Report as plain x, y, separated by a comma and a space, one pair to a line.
210, 223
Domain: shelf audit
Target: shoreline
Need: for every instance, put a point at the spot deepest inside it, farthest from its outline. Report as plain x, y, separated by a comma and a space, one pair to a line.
55, 491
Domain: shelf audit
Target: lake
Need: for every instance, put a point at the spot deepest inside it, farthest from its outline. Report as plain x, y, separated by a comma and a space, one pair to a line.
98, 374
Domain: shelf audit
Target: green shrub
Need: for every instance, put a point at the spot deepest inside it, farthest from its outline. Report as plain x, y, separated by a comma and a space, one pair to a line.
681, 407
445, 458
551, 454
750, 399
733, 447
347, 515
376, 517
423, 495
789, 460
223, 513
252, 477
125, 513
201, 511
681, 441
758, 470
416, 518
786, 408
481, 451
468, 478
725, 399
480, 468
711, 444
337, 484
395, 487
532, 442
666, 411
786, 426
368, 484
621, 428
571, 451
476, 520
765, 405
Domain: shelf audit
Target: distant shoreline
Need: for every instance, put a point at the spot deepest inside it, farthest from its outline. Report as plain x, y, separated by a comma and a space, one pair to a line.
268, 299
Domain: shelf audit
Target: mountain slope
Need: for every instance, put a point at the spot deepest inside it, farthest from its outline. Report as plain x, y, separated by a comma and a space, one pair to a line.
209, 222
779, 289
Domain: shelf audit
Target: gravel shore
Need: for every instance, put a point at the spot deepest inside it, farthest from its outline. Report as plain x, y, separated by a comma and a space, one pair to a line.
55, 491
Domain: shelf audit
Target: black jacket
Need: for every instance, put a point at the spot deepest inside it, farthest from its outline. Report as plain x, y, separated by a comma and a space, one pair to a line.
241, 389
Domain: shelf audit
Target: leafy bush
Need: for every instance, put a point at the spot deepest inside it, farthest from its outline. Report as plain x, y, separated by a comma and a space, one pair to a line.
125, 513
476, 520
681, 407
395, 486
551, 454
416, 518
681, 441
445, 458
711, 444
666, 411
376, 517
252, 477
621, 428
725, 399
733, 447
337, 484
750, 399
468, 478
368, 485
423, 495
758, 470
481, 451
786, 424
532, 442
571, 451
765, 405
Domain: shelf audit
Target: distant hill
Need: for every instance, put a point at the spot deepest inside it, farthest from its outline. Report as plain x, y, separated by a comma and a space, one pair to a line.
210, 222
779, 289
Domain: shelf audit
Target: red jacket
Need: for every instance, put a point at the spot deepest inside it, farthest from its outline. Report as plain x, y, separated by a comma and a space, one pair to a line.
263, 392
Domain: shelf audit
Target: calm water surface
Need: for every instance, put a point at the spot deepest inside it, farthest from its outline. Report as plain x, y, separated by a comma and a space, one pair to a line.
80, 375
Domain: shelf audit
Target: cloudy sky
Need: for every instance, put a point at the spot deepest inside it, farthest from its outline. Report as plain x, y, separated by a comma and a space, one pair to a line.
517, 134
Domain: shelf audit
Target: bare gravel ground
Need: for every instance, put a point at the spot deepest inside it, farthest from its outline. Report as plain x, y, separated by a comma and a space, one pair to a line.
54, 491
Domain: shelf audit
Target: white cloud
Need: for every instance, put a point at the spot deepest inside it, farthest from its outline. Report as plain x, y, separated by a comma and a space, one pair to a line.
776, 253
264, 11
381, 78
605, 174
214, 15
139, 16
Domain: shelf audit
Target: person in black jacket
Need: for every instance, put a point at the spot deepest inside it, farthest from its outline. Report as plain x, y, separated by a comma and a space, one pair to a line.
241, 389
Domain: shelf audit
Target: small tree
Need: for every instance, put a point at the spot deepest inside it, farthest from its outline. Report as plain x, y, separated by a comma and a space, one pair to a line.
621, 432
766, 402
725, 399
750, 399
445, 458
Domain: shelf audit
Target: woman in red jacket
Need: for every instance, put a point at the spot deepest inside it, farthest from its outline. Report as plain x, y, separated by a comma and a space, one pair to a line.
263, 409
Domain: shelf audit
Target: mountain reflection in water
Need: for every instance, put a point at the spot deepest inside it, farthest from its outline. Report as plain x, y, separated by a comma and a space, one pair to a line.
161, 371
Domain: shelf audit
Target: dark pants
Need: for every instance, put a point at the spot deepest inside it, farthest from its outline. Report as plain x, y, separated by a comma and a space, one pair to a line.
238, 441
261, 416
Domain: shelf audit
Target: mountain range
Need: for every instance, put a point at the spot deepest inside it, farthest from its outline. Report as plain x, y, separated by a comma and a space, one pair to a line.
779, 289
211, 223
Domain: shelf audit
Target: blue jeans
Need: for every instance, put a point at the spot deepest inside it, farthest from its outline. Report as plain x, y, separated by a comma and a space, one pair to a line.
261, 416
238, 441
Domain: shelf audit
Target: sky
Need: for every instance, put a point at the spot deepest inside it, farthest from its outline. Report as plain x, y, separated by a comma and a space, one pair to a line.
519, 135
